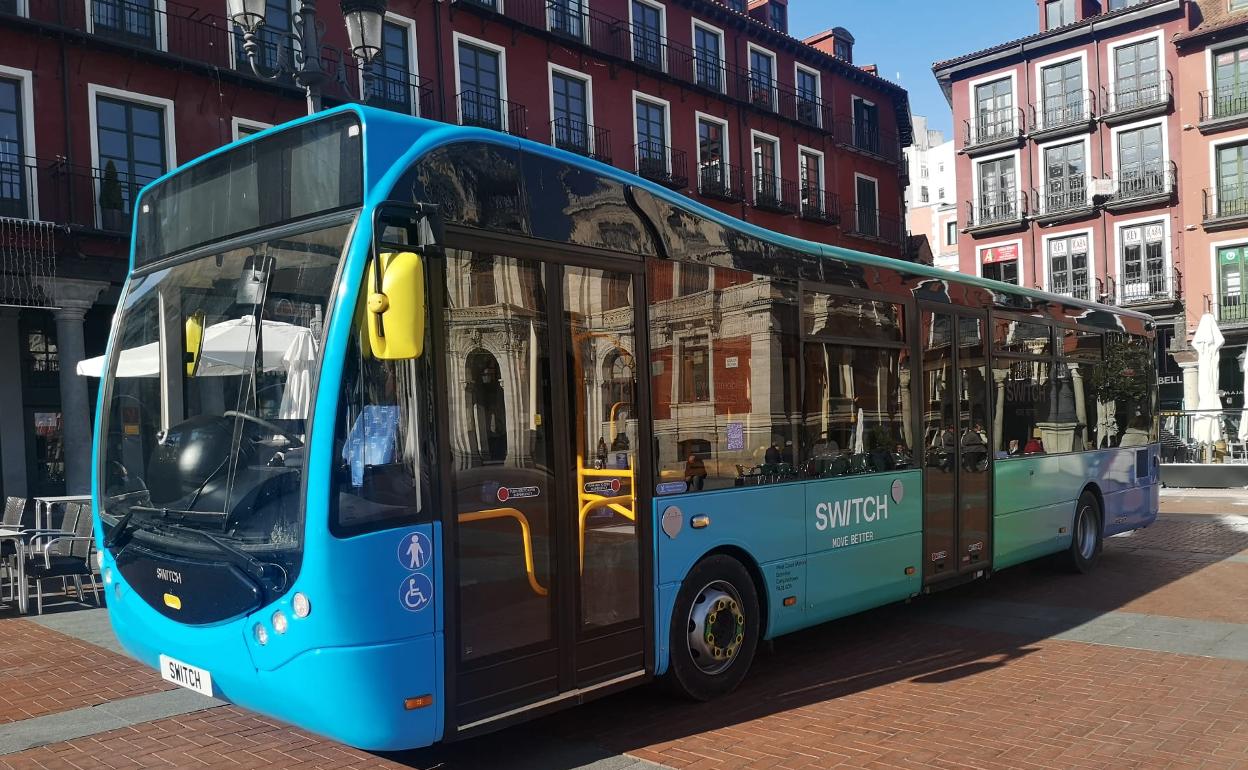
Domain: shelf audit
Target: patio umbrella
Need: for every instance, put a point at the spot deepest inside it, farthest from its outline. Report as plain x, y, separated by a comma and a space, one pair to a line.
227, 350
858, 443
299, 362
1243, 416
1207, 427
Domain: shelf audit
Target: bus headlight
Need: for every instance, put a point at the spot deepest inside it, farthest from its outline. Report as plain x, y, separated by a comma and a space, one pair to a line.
108, 576
301, 605
279, 622
261, 635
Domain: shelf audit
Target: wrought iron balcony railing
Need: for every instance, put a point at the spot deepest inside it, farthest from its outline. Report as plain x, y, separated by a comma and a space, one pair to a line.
774, 194
869, 223
568, 18
1232, 305
489, 111
1226, 205
819, 205
1224, 103
992, 127
1069, 195
1071, 284
721, 181
1143, 183
996, 210
581, 138
394, 88
1122, 100
1146, 284
1061, 112
661, 163
52, 190
868, 139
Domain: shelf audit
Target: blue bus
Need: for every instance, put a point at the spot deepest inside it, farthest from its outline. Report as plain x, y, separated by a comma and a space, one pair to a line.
410, 431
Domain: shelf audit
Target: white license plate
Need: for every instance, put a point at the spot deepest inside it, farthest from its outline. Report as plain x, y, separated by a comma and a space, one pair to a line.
186, 675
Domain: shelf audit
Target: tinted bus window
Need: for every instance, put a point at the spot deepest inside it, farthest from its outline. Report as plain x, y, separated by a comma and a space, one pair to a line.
1021, 337
826, 315
1024, 397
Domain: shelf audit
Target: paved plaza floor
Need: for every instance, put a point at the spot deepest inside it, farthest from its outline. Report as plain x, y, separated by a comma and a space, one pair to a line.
1144, 663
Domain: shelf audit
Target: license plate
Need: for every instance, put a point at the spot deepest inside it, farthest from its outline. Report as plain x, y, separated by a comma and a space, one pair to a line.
186, 675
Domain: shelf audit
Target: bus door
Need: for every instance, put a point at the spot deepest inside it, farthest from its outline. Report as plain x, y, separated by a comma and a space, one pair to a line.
546, 420
957, 443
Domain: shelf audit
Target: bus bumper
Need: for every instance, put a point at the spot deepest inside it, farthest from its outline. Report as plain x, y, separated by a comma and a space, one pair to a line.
353, 694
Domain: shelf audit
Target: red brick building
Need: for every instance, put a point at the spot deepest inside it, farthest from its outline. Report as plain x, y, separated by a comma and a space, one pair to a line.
99, 96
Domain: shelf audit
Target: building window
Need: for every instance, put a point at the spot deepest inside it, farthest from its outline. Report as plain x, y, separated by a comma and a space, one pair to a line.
940, 194
1000, 263
808, 97
810, 174
708, 57
994, 110
570, 99
866, 126
998, 192
842, 50
1058, 13
1230, 82
13, 180
1068, 266
567, 18
713, 175
41, 353
924, 196
867, 206
940, 168
695, 370
766, 170
1117, 5
1062, 93
480, 88
1232, 272
736, 5
951, 233
762, 79
1232, 176
1137, 75
271, 38
1065, 178
49, 448
1144, 275
648, 35
133, 21
779, 19
651, 138
481, 289
242, 129
693, 279
131, 141
1141, 169
391, 83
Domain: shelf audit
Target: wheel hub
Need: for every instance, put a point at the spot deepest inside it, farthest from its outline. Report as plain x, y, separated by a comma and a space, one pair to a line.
716, 627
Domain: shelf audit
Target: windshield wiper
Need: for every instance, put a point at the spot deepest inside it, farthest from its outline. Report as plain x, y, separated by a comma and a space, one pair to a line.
119, 528
254, 565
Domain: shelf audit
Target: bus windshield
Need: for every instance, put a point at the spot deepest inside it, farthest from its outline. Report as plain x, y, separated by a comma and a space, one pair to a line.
209, 394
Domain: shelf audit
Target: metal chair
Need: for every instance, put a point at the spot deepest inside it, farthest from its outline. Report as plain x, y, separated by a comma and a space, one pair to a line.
14, 507
63, 555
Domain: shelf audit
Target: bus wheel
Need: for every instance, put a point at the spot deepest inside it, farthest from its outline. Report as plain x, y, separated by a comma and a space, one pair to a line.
715, 627
1085, 541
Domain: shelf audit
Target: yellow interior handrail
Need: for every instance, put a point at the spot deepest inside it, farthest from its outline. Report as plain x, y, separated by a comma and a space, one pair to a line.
589, 501
525, 533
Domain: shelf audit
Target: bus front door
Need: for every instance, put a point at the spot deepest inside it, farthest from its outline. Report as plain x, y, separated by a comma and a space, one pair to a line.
957, 468
545, 424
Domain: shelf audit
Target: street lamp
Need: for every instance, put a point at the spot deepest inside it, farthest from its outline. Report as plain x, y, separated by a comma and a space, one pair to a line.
363, 18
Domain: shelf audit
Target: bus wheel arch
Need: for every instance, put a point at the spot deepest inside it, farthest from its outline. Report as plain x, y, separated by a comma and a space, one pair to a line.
717, 623
756, 575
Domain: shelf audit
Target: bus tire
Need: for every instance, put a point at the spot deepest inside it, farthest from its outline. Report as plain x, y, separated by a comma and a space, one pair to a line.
1086, 537
715, 629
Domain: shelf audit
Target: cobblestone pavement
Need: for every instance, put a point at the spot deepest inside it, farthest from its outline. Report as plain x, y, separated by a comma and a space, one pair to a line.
1142, 664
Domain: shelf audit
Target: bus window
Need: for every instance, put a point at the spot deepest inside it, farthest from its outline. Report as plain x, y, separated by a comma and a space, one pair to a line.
1125, 390
1016, 337
724, 372
1082, 358
1024, 395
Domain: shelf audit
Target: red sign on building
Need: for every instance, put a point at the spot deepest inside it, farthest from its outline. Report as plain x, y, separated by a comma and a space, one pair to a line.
1000, 253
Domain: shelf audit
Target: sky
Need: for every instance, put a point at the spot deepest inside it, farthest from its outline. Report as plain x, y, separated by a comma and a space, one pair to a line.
904, 38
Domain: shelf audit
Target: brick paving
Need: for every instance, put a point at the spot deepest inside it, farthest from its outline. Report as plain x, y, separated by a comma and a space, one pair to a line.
879, 690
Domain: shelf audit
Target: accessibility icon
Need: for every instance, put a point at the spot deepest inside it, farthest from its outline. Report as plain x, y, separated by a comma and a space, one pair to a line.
415, 592
414, 551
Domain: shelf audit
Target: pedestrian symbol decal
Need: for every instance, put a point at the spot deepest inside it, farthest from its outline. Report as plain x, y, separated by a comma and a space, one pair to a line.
414, 551
415, 592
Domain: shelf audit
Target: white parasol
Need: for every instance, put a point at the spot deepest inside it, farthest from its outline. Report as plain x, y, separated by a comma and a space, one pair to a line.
1243, 416
1207, 427
858, 442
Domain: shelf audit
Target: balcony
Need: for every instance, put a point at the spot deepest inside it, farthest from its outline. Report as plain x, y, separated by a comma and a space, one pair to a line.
568, 19
993, 130
868, 140
1226, 207
1231, 308
1075, 286
999, 212
721, 181
489, 111
1147, 285
1143, 185
80, 197
771, 193
869, 224
1120, 105
396, 89
1063, 116
1062, 200
581, 138
820, 206
1223, 108
754, 89
661, 163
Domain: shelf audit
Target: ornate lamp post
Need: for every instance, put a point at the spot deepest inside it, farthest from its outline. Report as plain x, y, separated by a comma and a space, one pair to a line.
363, 18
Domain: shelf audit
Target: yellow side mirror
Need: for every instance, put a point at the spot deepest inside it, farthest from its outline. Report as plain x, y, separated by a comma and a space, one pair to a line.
194, 339
396, 313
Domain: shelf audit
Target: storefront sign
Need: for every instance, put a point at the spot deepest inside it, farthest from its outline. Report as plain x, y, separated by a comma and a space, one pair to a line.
1000, 253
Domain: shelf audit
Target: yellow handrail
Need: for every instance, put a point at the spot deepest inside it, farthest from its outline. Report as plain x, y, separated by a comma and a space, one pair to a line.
588, 501
526, 534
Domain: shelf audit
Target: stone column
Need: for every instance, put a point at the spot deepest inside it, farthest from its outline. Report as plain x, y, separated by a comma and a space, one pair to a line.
74, 298
1191, 385
13, 416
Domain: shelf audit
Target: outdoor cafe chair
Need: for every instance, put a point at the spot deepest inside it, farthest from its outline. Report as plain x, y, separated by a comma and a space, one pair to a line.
63, 555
